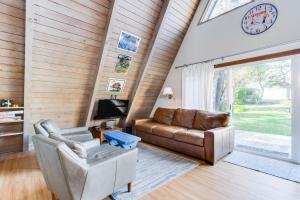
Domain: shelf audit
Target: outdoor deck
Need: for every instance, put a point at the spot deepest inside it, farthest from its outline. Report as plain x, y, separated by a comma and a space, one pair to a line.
272, 145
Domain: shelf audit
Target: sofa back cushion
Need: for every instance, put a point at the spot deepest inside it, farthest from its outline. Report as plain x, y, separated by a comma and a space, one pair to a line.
206, 120
184, 118
164, 115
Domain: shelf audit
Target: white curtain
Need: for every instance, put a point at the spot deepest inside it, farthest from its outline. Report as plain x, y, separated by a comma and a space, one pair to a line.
197, 86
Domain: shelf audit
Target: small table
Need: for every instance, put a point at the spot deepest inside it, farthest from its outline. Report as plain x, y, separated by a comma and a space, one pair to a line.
98, 132
121, 139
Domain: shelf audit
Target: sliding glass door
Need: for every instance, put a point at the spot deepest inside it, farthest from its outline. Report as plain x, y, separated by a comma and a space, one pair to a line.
262, 98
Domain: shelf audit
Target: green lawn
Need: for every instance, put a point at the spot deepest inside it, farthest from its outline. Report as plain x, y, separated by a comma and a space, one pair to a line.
269, 120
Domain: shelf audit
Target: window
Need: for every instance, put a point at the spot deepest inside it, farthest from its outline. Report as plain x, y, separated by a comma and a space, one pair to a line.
218, 7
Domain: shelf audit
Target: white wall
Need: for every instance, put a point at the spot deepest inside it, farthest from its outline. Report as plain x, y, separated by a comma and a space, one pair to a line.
224, 37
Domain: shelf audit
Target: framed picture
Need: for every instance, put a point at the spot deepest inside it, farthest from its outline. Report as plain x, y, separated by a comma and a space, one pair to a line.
115, 85
122, 64
128, 42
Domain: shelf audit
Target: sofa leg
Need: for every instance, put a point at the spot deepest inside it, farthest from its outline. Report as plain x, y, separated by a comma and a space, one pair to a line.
53, 197
129, 187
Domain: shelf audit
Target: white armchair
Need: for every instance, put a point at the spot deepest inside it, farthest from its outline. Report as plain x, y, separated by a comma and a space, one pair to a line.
70, 177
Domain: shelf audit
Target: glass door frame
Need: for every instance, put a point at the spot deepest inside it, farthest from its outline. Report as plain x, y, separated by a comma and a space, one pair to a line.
295, 104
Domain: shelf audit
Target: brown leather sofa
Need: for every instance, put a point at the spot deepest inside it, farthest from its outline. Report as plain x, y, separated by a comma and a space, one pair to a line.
200, 134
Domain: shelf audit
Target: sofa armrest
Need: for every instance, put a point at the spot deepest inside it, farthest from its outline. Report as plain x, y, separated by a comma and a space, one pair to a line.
138, 121
218, 142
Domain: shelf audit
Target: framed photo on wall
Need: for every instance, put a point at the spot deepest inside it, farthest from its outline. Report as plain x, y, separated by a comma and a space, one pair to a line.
128, 42
123, 64
115, 85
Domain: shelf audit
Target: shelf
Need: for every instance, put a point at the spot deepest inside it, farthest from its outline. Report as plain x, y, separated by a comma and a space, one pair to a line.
11, 108
10, 134
10, 121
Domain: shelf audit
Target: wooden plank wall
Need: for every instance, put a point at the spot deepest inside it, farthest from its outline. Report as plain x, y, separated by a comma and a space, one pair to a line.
67, 39
137, 17
169, 41
12, 30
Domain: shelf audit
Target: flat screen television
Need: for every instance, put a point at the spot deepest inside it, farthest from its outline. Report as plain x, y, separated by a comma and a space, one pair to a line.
112, 108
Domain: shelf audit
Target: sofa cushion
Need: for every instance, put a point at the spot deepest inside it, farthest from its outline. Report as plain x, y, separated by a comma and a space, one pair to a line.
166, 131
184, 118
206, 121
190, 136
164, 115
146, 126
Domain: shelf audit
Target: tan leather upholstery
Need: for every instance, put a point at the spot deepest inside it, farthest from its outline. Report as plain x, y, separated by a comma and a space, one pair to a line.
205, 120
147, 126
191, 136
184, 118
166, 131
164, 115
190, 133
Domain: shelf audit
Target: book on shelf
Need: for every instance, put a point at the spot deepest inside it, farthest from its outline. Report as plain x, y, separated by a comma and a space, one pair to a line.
11, 115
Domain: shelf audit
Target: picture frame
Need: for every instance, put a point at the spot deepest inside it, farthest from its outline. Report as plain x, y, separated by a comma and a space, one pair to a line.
115, 85
123, 64
128, 42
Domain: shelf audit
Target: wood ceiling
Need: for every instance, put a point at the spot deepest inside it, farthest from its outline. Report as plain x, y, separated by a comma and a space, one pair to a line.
71, 52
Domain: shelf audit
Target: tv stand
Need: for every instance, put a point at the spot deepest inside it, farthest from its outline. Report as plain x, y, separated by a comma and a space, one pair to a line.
98, 132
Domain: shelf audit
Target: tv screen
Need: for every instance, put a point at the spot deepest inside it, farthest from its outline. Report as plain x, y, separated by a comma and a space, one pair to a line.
112, 108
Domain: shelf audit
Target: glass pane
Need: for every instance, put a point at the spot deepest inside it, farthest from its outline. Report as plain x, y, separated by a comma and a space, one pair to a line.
262, 107
218, 7
220, 100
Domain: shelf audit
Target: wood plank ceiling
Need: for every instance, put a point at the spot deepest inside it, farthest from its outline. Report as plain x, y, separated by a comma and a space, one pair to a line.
67, 45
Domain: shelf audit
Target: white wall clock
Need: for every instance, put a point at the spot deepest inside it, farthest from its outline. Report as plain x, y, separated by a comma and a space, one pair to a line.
259, 19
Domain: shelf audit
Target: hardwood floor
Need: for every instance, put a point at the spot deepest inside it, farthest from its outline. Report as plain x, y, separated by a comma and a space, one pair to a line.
21, 179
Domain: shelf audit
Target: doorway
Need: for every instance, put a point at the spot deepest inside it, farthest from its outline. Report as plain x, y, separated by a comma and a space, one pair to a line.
260, 97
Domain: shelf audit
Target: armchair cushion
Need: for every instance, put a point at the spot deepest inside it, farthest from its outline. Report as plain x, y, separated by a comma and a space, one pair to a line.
84, 150
164, 115
184, 118
206, 121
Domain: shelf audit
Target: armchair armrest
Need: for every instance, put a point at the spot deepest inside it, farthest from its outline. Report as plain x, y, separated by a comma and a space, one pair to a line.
92, 147
74, 130
218, 142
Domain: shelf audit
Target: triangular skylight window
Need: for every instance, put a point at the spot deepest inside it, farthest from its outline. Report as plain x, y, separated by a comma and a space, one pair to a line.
218, 7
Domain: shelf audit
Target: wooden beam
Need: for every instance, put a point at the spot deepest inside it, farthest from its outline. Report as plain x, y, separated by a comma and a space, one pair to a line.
259, 58
27, 73
105, 46
153, 44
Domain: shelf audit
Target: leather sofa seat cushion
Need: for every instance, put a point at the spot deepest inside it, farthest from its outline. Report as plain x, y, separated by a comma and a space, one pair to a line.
184, 118
206, 121
147, 126
164, 115
190, 136
166, 131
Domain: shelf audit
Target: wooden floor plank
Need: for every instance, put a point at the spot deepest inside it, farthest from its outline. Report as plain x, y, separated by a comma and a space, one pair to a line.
21, 179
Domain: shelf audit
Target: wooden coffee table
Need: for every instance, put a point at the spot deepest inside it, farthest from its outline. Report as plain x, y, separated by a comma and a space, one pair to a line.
98, 132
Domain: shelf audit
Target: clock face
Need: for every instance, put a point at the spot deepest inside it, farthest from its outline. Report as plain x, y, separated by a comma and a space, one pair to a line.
259, 18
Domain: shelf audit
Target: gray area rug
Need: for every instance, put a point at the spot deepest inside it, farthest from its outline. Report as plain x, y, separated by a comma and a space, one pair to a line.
155, 168
266, 165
